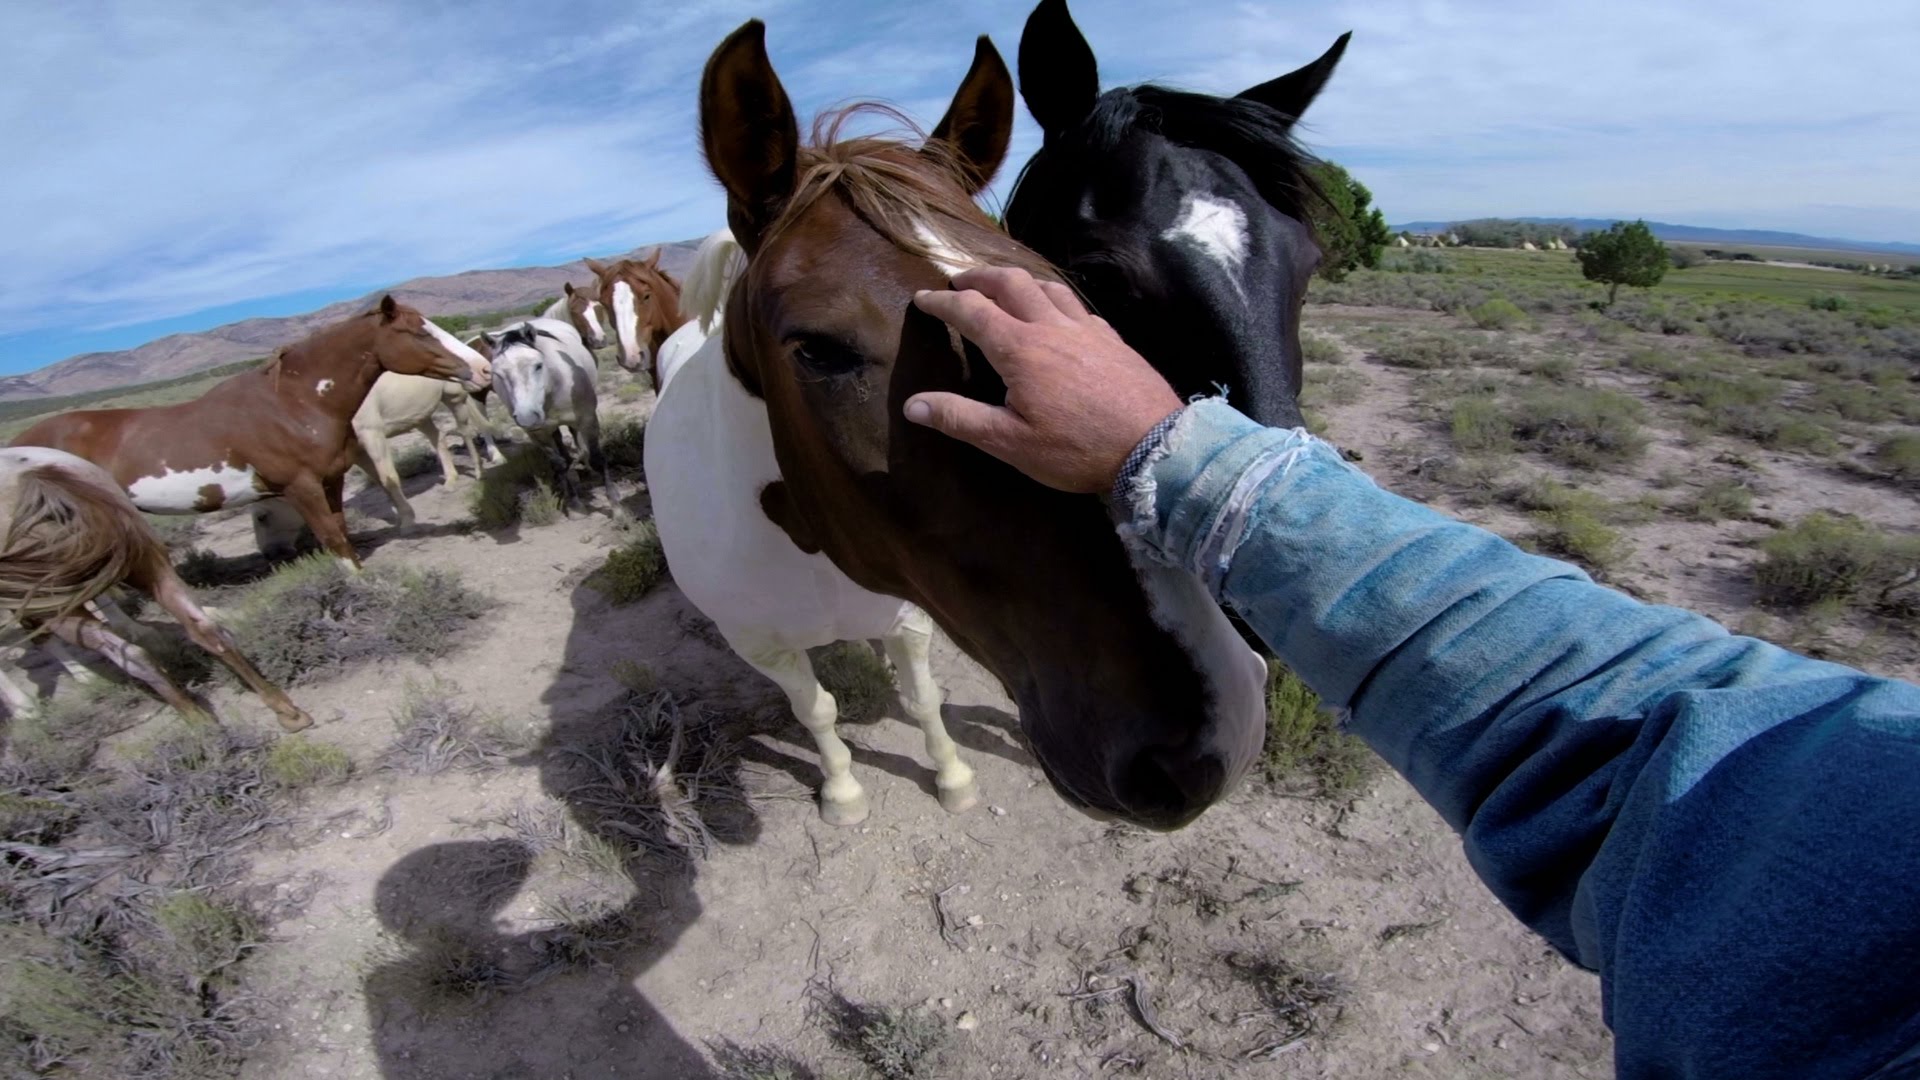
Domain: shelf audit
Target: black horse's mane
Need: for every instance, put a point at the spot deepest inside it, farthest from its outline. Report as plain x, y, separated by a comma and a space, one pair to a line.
1253, 136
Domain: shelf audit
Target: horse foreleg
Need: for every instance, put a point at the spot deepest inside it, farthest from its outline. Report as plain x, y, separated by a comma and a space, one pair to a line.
478, 431
597, 459
76, 669
19, 703
88, 632
562, 461
842, 802
441, 451
909, 647
318, 502
172, 594
374, 455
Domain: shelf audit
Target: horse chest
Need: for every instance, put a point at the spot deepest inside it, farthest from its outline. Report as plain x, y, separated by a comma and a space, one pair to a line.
196, 491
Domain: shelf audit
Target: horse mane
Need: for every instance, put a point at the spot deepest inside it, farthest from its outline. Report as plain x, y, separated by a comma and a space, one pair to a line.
68, 540
1257, 138
897, 187
716, 266
521, 334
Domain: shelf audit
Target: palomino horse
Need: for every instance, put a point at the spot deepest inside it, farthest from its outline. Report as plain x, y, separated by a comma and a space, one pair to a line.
1136, 695
68, 533
401, 403
547, 378
584, 312
283, 429
1181, 217
645, 302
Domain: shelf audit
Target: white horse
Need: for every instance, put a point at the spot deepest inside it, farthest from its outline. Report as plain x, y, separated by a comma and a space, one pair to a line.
401, 403
709, 452
546, 378
587, 316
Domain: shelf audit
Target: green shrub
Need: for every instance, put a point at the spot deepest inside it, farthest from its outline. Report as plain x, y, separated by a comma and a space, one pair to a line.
521, 491
297, 761
1498, 313
1656, 362
633, 568
1579, 535
1305, 744
1899, 457
205, 935
1826, 559
1423, 351
858, 678
1479, 424
1580, 426
1342, 387
1320, 349
1559, 369
624, 440
1829, 302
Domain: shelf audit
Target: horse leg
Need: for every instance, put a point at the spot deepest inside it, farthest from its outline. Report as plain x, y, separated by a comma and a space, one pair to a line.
841, 800
909, 647
374, 455
20, 704
478, 431
438, 440
88, 632
563, 470
597, 458
319, 505
173, 595
76, 668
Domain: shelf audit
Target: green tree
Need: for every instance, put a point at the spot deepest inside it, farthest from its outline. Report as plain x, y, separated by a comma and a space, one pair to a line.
1352, 231
1626, 254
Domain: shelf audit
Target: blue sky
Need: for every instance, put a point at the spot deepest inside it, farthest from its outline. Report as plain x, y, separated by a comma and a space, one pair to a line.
176, 166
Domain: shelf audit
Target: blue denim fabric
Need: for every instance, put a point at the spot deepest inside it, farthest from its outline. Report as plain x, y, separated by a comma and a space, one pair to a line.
1729, 833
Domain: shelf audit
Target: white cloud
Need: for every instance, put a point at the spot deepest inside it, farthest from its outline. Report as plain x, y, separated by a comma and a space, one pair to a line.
168, 158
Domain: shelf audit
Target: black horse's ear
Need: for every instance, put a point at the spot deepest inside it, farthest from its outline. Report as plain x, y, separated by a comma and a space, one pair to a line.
1059, 79
567, 288
979, 123
1290, 94
747, 129
389, 308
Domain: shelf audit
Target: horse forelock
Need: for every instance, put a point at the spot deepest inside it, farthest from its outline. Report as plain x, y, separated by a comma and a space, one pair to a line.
911, 194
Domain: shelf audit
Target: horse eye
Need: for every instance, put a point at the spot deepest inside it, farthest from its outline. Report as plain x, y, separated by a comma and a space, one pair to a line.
827, 356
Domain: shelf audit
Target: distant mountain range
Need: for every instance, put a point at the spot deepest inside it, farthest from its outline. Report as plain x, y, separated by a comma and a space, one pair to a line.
470, 293
1694, 234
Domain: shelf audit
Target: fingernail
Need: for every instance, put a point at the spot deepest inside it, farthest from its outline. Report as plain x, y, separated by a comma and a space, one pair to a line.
919, 411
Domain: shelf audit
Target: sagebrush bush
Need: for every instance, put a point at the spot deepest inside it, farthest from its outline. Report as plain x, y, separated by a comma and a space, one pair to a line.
1424, 351
858, 678
1826, 559
1498, 313
1305, 745
523, 490
1578, 425
299, 761
1320, 349
1579, 535
1899, 457
1718, 500
1480, 424
624, 440
633, 568
312, 616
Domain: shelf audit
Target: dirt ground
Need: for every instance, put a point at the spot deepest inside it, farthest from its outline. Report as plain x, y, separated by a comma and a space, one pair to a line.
1277, 936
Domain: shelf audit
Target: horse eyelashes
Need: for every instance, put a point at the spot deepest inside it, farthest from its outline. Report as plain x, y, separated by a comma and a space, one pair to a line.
827, 356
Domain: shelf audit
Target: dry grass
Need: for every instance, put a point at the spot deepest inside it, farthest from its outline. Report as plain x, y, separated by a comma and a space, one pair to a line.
311, 616
1579, 426
1480, 425
1718, 500
897, 1044
1321, 349
300, 761
1898, 457
1830, 561
762, 1062
1423, 351
434, 731
1297, 1004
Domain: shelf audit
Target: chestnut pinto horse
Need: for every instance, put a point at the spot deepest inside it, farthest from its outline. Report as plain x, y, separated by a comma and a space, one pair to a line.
1136, 695
67, 535
645, 302
284, 429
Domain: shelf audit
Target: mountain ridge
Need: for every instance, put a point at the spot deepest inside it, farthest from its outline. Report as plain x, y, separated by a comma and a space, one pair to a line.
1695, 234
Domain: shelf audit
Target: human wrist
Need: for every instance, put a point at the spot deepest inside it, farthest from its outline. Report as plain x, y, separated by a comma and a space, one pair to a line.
1138, 460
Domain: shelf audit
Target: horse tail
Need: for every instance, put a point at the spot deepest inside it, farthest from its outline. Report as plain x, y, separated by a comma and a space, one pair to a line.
68, 540
716, 266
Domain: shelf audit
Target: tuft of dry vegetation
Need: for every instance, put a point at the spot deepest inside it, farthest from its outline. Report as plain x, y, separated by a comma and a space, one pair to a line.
762, 1062
524, 490
1718, 500
1305, 747
1579, 426
434, 731
624, 440
1321, 349
1497, 313
312, 616
1298, 1004
1480, 425
301, 761
1423, 351
897, 1044
1898, 456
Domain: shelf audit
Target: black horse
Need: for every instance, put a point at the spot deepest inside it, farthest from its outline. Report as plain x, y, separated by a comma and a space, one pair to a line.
1181, 217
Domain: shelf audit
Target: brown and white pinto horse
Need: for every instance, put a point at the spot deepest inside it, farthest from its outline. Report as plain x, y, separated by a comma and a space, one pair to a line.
645, 302
284, 429
67, 535
1137, 696
583, 311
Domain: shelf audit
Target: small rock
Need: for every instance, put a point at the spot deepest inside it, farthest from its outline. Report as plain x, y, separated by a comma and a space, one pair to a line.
967, 1022
946, 1003
974, 920
997, 811
623, 1028
1430, 1047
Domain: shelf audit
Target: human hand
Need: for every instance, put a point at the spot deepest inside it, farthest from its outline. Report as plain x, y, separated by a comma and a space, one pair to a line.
1078, 398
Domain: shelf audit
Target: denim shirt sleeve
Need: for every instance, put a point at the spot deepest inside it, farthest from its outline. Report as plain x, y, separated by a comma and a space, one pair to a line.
1729, 833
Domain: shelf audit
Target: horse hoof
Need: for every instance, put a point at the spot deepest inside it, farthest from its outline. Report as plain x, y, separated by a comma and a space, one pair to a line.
850, 812
299, 721
959, 800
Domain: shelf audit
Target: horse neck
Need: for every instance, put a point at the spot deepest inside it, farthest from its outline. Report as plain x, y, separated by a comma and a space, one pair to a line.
341, 356
667, 316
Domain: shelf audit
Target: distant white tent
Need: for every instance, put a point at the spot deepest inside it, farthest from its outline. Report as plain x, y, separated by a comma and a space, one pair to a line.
1527, 245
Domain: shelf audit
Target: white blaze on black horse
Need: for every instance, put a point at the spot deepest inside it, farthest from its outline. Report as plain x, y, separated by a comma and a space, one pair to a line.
1181, 217
1136, 696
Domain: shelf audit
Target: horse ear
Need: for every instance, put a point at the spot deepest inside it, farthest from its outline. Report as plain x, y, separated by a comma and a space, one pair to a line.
388, 308
748, 132
1059, 79
653, 260
1290, 94
596, 267
567, 288
979, 123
